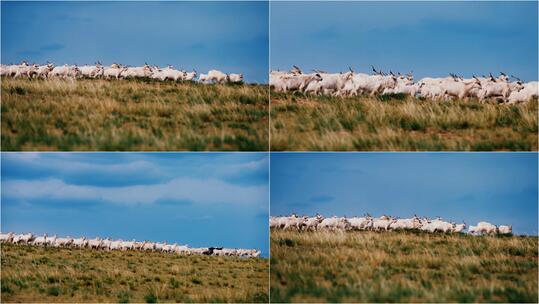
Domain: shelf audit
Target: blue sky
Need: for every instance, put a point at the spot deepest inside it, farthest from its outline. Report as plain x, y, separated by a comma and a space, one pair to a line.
497, 187
230, 36
200, 199
428, 38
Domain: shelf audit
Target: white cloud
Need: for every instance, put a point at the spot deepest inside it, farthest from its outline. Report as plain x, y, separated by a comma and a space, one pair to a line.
227, 170
179, 189
68, 164
137, 165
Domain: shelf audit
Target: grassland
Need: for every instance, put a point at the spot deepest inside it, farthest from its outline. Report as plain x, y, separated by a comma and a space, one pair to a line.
324, 123
401, 267
132, 115
36, 274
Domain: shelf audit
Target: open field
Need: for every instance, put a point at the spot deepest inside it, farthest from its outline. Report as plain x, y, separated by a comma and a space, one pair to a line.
401, 267
324, 123
31, 274
132, 115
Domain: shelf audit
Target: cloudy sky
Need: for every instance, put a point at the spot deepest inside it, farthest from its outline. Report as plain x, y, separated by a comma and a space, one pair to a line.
231, 36
497, 187
200, 199
429, 38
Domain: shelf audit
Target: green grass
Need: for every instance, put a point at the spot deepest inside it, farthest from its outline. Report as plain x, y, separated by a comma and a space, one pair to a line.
399, 123
132, 115
401, 267
37, 274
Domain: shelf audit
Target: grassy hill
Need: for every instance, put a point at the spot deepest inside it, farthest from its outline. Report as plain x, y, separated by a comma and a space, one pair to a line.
132, 115
399, 123
31, 274
401, 267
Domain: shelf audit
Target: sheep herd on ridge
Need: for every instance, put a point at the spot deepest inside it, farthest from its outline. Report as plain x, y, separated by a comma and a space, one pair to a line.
114, 71
382, 223
108, 244
349, 83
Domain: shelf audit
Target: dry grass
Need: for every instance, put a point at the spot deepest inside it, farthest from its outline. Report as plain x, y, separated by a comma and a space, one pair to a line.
132, 115
322, 123
36, 274
401, 267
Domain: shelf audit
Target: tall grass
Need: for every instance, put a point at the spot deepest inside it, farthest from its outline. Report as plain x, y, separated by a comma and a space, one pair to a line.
401, 267
362, 123
132, 115
37, 274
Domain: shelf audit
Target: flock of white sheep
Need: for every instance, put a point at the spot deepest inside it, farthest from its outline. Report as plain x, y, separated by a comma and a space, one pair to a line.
452, 87
114, 71
382, 223
108, 244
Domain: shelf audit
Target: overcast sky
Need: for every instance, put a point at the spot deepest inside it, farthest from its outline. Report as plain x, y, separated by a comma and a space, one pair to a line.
199, 199
497, 187
429, 38
230, 36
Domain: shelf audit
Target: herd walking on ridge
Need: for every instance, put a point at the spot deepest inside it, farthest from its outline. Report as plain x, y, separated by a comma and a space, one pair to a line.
382, 223
504, 88
349, 83
108, 244
114, 71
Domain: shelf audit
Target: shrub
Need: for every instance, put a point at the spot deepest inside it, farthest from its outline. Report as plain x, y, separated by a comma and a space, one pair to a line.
150, 298
173, 283
123, 296
395, 96
53, 291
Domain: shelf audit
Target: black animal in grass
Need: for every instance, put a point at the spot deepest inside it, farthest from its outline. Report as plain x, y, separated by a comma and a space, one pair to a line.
211, 249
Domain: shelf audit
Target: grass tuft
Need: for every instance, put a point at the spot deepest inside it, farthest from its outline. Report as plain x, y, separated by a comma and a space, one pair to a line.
396, 122
37, 274
402, 267
132, 115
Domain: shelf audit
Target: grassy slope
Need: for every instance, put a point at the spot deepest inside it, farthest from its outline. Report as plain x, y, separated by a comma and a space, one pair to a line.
401, 267
363, 123
132, 115
32, 274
